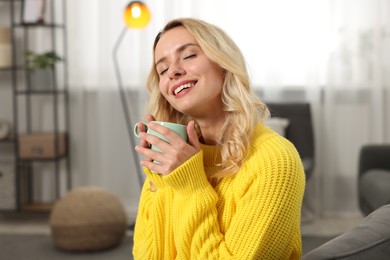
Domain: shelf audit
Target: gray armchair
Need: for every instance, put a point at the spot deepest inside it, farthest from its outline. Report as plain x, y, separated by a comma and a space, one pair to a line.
369, 240
299, 130
374, 177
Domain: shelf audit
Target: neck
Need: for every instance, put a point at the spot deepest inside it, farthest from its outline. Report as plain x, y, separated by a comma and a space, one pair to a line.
210, 130
210, 122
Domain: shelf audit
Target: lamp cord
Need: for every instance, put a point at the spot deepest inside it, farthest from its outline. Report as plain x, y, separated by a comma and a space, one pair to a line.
125, 107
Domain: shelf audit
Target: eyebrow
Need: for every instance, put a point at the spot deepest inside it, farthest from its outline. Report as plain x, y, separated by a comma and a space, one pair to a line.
180, 49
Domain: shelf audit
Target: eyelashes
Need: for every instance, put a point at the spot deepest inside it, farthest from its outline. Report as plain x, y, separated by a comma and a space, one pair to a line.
188, 57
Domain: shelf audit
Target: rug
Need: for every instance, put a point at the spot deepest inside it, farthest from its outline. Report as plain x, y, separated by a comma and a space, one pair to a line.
41, 247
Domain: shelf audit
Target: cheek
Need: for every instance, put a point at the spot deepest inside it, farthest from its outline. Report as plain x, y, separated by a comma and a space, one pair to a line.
194, 68
217, 74
210, 69
163, 87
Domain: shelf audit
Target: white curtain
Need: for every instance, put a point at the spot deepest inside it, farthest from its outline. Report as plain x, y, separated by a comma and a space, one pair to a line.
355, 97
331, 53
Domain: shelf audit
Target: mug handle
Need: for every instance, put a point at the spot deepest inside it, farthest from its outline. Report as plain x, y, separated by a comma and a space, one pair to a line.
136, 133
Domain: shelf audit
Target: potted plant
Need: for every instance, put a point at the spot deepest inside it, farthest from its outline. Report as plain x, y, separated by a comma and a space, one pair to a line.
40, 68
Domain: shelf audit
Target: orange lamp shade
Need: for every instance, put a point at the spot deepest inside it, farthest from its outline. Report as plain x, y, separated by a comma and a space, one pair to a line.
136, 15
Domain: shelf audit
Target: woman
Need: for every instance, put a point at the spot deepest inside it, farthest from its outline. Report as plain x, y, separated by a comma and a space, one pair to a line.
234, 190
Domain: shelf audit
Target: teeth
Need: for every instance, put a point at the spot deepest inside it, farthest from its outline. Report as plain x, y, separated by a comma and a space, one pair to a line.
185, 86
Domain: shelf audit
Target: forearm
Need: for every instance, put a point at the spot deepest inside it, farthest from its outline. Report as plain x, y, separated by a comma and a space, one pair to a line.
195, 226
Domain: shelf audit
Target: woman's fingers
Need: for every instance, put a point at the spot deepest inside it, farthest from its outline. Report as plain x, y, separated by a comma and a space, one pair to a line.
142, 128
170, 154
150, 118
193, 138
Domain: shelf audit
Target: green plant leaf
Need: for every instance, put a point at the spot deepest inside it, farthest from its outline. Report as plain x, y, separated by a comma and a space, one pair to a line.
45, 60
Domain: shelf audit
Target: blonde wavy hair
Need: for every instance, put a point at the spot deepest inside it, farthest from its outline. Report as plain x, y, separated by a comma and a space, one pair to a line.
242, 107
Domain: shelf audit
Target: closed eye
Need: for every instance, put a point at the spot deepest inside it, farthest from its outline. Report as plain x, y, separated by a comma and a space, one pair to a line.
163, 72
190, 56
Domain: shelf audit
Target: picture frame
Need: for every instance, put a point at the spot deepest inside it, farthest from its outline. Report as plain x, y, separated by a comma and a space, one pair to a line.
33, 11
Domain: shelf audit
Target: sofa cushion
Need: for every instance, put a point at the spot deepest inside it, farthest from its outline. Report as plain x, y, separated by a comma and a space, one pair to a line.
374, 187
369, 240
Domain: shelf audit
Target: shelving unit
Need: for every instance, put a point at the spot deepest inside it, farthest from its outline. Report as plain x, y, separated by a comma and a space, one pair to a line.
40, 112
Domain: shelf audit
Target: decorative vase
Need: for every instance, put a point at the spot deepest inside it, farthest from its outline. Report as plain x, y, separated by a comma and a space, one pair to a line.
42, 79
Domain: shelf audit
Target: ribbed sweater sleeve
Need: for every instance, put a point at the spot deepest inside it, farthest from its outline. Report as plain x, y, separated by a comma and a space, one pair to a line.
252, 215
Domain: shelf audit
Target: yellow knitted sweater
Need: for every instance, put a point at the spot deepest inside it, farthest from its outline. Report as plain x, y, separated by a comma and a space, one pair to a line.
253, 215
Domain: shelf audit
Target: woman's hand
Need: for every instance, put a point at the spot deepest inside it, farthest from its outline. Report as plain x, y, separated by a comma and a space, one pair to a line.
142, 128
173, 154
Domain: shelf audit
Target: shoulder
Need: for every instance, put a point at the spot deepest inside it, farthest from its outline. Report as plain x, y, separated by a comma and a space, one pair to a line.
269, 151
273, 163
266, 140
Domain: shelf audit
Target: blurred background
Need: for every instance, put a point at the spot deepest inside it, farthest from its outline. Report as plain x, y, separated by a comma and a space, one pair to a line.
333, 54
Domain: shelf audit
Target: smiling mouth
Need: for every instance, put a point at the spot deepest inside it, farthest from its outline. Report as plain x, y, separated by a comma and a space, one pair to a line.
183, 87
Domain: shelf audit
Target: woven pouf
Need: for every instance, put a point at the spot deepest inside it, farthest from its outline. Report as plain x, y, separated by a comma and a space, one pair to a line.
88, 219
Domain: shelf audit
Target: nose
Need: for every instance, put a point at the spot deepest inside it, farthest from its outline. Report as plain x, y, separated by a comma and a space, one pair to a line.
175, 70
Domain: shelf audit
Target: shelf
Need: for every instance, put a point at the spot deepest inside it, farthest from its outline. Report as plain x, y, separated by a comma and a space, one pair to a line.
12, 68
40, 92
52, 159
7, 140
38, 206
26, 95
39, 25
